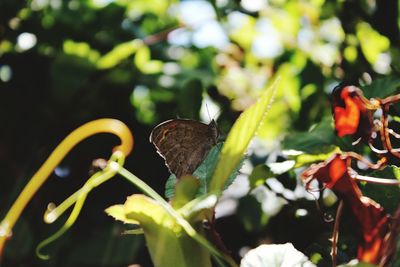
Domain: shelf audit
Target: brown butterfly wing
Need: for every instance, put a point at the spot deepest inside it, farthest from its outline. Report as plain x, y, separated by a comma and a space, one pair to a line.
184, 143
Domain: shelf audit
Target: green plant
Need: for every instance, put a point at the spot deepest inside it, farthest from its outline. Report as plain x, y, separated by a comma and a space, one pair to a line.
173, 230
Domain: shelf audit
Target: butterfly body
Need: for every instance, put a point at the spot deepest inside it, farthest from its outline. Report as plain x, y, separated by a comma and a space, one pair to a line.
184, 143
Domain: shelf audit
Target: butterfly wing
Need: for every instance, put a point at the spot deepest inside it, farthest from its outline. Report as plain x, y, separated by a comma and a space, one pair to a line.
183, 143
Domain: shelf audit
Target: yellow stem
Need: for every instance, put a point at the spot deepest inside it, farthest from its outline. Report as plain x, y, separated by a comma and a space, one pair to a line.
97, 126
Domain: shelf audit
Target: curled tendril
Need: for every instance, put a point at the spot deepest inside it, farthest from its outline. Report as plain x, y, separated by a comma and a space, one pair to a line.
97, 126
116, 161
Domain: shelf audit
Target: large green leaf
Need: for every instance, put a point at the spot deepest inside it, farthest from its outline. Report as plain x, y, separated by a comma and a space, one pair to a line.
239, 138
319, 140
168, 243
382, 87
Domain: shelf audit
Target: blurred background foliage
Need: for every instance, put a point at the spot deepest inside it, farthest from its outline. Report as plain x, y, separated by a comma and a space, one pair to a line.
65, 62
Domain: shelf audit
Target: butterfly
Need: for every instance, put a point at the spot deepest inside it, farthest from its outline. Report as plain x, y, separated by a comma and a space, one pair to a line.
184, 143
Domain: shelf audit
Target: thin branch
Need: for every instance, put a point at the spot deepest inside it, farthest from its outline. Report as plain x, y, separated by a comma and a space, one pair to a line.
374, 180
335, 233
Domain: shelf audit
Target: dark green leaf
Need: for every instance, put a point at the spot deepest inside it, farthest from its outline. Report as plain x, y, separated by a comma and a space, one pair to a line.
259, 174
251, 214
382, 87
190, 98
386, 195
320, 139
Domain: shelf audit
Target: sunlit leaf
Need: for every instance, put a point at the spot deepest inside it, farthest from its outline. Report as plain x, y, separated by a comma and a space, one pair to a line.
350, 53
144, 62
167, 242
286, 103
372, 43
140, 7
244, 32
239, 138
118, 212
119, 53
80, 49
306, 159
200, 208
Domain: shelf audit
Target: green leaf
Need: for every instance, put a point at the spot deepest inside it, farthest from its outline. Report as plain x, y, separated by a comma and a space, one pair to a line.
190, 98
264, 171
239, 138
203, 173
372, 43
119, 53
136, 231
319, 140
185, 191
144, 63
80, 49
387, 196
168, 243
382, 87
259, 174
118, 212
199, 208
275, 256
251, 214
307, 159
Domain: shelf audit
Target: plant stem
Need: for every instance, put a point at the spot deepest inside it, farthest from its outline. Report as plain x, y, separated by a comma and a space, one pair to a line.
178, 218
335, 233
98, 126
375, 180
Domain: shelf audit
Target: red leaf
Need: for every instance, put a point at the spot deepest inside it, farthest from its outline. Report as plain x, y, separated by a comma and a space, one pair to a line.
373, 221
